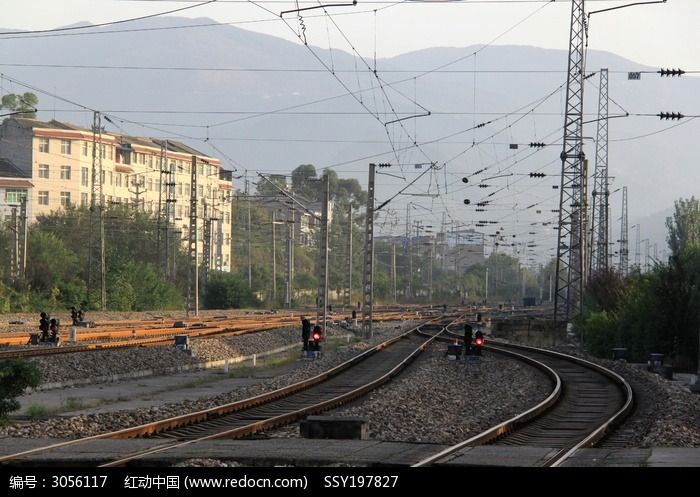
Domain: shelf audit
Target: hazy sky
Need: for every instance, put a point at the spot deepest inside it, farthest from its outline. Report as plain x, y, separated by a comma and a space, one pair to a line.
662, 35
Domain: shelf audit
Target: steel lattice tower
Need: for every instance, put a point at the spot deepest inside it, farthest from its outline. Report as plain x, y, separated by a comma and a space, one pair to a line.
601, 188
624, 236
193, 268
570, 242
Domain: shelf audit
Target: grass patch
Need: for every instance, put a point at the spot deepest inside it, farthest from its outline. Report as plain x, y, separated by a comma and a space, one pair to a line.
38, 411
73, 404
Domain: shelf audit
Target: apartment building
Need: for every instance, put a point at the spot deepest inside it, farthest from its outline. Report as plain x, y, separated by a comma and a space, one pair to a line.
55, 160
14, 187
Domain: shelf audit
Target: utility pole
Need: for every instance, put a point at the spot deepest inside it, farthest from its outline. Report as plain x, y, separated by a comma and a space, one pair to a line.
206, 242
347, 297
638, 249
22, 245
138, 190
624, 236
409, 253
322, 295
430, 273
250, 235
368, 264
569, 265
274, 260
486, 296
162, 261
599, 232
193, 270
97, 202
14, 257
393, 268
289, 259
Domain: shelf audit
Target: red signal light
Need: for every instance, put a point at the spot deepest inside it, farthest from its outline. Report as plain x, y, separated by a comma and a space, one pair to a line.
317, 336
479, 342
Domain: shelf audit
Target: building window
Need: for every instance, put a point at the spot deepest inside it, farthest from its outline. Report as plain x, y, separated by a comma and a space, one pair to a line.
102, 177
15, 195
118, 179
65, 147
111, 178
85, 148
65, 199
65, 172
44, 145
150, 184
83, 199
84, 176
43, 198
44, 171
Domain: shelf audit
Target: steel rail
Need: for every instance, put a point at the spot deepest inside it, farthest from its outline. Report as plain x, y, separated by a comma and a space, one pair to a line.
204, 415
540, 411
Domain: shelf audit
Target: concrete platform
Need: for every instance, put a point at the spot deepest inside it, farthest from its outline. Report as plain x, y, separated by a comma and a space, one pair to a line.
309, 453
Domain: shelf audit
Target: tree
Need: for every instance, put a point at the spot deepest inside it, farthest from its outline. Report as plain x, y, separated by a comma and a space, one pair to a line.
15, 376
305, 182
684, 226
265, 188
226, 291
25, 104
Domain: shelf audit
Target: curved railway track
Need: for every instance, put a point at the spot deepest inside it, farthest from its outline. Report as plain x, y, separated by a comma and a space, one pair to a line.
586, 402
335, 387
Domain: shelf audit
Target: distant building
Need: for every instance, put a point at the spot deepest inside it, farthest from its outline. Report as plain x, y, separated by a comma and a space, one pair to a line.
453, 250
462, 249
14, 187
306, 222
53, 161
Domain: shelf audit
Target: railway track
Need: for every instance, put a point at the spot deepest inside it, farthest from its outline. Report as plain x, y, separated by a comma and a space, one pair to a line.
148, 334
335, 387
586, 403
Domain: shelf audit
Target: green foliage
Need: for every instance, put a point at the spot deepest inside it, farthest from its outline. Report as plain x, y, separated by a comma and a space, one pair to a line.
655, 312
37, 411
15, 376
305, 182
26, 104
272, 185
227, 291
600, 333
684, 226
51, 261
136, 286
605, 289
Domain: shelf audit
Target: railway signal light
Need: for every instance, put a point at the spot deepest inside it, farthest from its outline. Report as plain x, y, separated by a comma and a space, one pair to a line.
316, 336
670, 115
671, 72
537, 175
